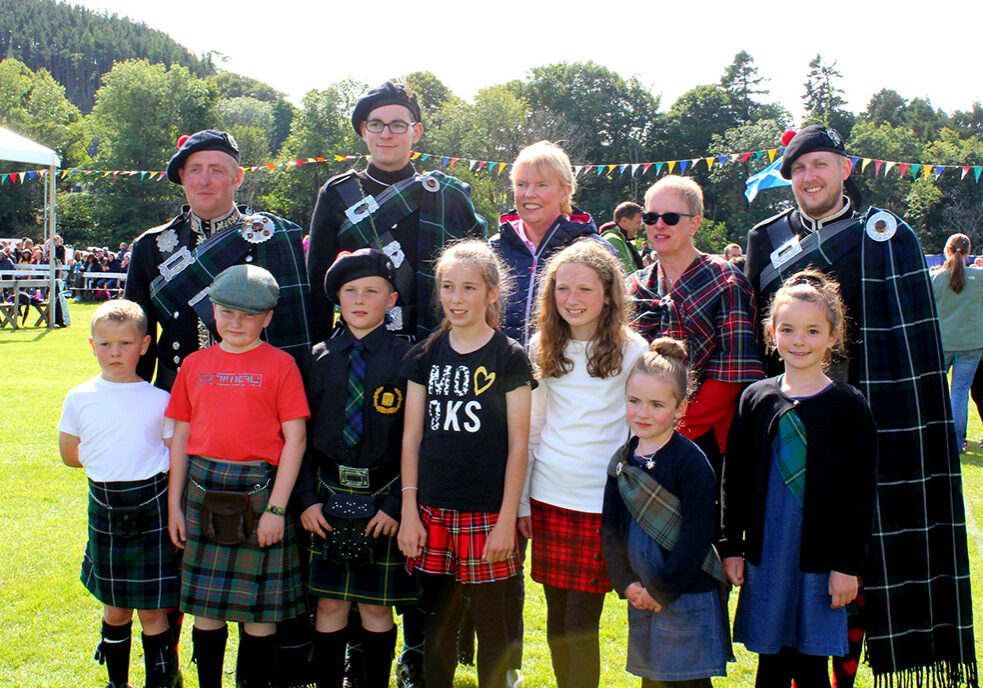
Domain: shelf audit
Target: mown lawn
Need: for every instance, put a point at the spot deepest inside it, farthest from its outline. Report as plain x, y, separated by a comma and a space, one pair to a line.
51, 624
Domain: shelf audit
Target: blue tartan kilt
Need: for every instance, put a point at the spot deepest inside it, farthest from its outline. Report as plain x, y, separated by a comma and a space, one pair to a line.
385, 582
240, 582
135, 572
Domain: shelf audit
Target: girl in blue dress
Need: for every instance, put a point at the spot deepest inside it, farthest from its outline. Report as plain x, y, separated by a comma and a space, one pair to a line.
799, 488
658, 526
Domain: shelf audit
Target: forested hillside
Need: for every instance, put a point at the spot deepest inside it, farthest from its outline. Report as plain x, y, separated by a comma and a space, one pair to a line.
78, 46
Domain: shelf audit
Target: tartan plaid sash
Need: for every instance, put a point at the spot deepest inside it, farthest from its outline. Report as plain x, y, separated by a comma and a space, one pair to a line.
790, 445
356, 395
187, 274
656, 509
446, 213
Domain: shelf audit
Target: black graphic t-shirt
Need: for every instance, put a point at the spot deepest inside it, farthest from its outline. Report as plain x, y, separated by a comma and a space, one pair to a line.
465, 430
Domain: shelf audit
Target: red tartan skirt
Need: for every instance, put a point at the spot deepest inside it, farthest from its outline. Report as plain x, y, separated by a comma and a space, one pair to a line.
566, 549
455, 543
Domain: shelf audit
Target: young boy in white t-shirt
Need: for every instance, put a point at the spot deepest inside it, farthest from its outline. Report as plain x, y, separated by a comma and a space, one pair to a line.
113, 426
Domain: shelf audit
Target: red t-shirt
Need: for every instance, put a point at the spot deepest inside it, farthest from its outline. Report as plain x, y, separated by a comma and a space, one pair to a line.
236, 403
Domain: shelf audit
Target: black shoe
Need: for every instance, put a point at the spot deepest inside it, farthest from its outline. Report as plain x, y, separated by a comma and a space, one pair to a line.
409, 671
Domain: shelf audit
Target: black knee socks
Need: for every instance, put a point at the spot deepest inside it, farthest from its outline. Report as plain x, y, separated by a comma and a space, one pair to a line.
379, 649
258, 660
160, 661
114, 652
209, 655
329, 658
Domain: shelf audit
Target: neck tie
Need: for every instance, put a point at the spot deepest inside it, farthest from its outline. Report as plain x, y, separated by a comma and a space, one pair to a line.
356, 394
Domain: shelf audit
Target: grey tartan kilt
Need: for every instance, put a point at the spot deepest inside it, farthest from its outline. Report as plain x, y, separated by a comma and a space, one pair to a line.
137, 572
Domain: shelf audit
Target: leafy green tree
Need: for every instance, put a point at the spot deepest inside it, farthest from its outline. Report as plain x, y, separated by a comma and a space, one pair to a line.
34, 105
923, 119
886, 106
888, 143
743, 82
695, 118
823, 99
430, 91
321, 129
232, 86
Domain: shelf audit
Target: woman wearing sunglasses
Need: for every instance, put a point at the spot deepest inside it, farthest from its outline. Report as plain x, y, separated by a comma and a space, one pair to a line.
701, 299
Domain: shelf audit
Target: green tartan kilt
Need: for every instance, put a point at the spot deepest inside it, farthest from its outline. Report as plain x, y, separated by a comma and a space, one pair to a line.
238, 582
385, 582
137, 572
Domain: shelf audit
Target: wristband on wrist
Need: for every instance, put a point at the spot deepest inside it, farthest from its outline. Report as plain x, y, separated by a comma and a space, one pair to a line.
276, 510
411, 487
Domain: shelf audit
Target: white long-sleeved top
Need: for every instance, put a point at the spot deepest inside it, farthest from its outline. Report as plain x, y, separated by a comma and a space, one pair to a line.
577, 423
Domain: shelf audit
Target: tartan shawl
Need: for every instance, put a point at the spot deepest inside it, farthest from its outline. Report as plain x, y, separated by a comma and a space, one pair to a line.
711, 308
655, 509
916, 581
281, 254
446, 214
790, 448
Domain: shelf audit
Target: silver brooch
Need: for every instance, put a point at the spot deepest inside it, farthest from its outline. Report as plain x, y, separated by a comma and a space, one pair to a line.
431, 184
881, 226
167, 241
257, 228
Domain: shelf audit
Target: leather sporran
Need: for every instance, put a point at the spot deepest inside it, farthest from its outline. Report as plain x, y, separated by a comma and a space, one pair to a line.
226, 516
125, 521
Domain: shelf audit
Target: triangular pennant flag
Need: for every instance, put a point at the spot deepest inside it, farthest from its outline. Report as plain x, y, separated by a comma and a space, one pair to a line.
577, 170
611, 168
161, 175
658, 167
299, 162
877, 167
914, 170
588, 168
758, 154
318, 158
491, 166
683, 164
481, 164
30, 175
965, 171
270, 166
903, 167
414, 156
938, 170
646, 166
600, 170
863, 165
722, 159
443, 162
501, 167
424, 157
745, 157
340, 158
63, 174
853, 161
887, 167
472, 164
710, 163
622, 168
672, 164
3, 178
453, 160
771, 154
976, 170
634, 168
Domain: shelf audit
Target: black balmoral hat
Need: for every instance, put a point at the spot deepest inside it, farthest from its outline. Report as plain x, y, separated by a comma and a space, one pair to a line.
365, 262
813, 138
386, 94
209, 139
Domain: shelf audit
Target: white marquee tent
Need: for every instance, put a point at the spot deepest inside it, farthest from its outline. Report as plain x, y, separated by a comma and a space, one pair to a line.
16, 148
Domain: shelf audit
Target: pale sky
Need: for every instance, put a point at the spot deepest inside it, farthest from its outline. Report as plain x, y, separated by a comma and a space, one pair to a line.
927, 50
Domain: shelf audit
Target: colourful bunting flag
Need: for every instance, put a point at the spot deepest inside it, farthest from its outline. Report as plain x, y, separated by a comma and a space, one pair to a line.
863, 165
903, 167
682, 166
646, 166
710, 163
672, 163
771, 154
877, 167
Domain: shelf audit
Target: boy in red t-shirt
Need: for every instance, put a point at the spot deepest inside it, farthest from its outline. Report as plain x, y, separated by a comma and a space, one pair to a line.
240, 431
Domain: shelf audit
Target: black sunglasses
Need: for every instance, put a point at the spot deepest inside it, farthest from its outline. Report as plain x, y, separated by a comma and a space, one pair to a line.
670, 219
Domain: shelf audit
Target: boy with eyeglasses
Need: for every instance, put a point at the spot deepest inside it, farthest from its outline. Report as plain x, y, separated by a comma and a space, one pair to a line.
391, 207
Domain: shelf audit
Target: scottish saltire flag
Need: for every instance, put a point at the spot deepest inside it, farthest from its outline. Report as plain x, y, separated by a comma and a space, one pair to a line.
768, 178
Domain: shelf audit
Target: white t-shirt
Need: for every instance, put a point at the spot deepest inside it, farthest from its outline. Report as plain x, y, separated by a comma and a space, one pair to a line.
577, 424
122, 428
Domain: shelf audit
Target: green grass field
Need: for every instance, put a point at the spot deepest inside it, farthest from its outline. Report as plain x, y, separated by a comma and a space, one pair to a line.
51, 623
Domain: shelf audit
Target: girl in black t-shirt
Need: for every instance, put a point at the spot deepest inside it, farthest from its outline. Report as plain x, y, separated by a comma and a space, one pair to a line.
465, 442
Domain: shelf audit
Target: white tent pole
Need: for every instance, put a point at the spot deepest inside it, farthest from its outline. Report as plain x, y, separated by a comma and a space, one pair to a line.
53, 275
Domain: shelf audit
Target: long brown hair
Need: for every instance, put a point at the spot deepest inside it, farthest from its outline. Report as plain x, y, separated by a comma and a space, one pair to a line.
478, 253
604, 357
957, 248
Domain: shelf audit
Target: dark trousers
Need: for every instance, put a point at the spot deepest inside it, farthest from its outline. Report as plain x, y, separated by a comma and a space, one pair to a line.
572, 621
778, 671
443, 603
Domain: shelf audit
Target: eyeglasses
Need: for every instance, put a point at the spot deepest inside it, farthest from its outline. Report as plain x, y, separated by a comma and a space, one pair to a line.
397, 126
670, 219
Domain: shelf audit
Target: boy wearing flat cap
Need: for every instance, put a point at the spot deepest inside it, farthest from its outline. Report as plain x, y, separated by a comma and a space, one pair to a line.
916, 596
349, 489
391, 207
240, 417
173, 264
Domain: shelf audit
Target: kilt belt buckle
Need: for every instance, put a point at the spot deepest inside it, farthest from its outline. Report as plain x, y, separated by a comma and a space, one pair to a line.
361, 210
353, 477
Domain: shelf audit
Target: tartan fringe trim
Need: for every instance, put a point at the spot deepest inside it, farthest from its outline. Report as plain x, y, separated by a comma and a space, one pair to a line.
942, 674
